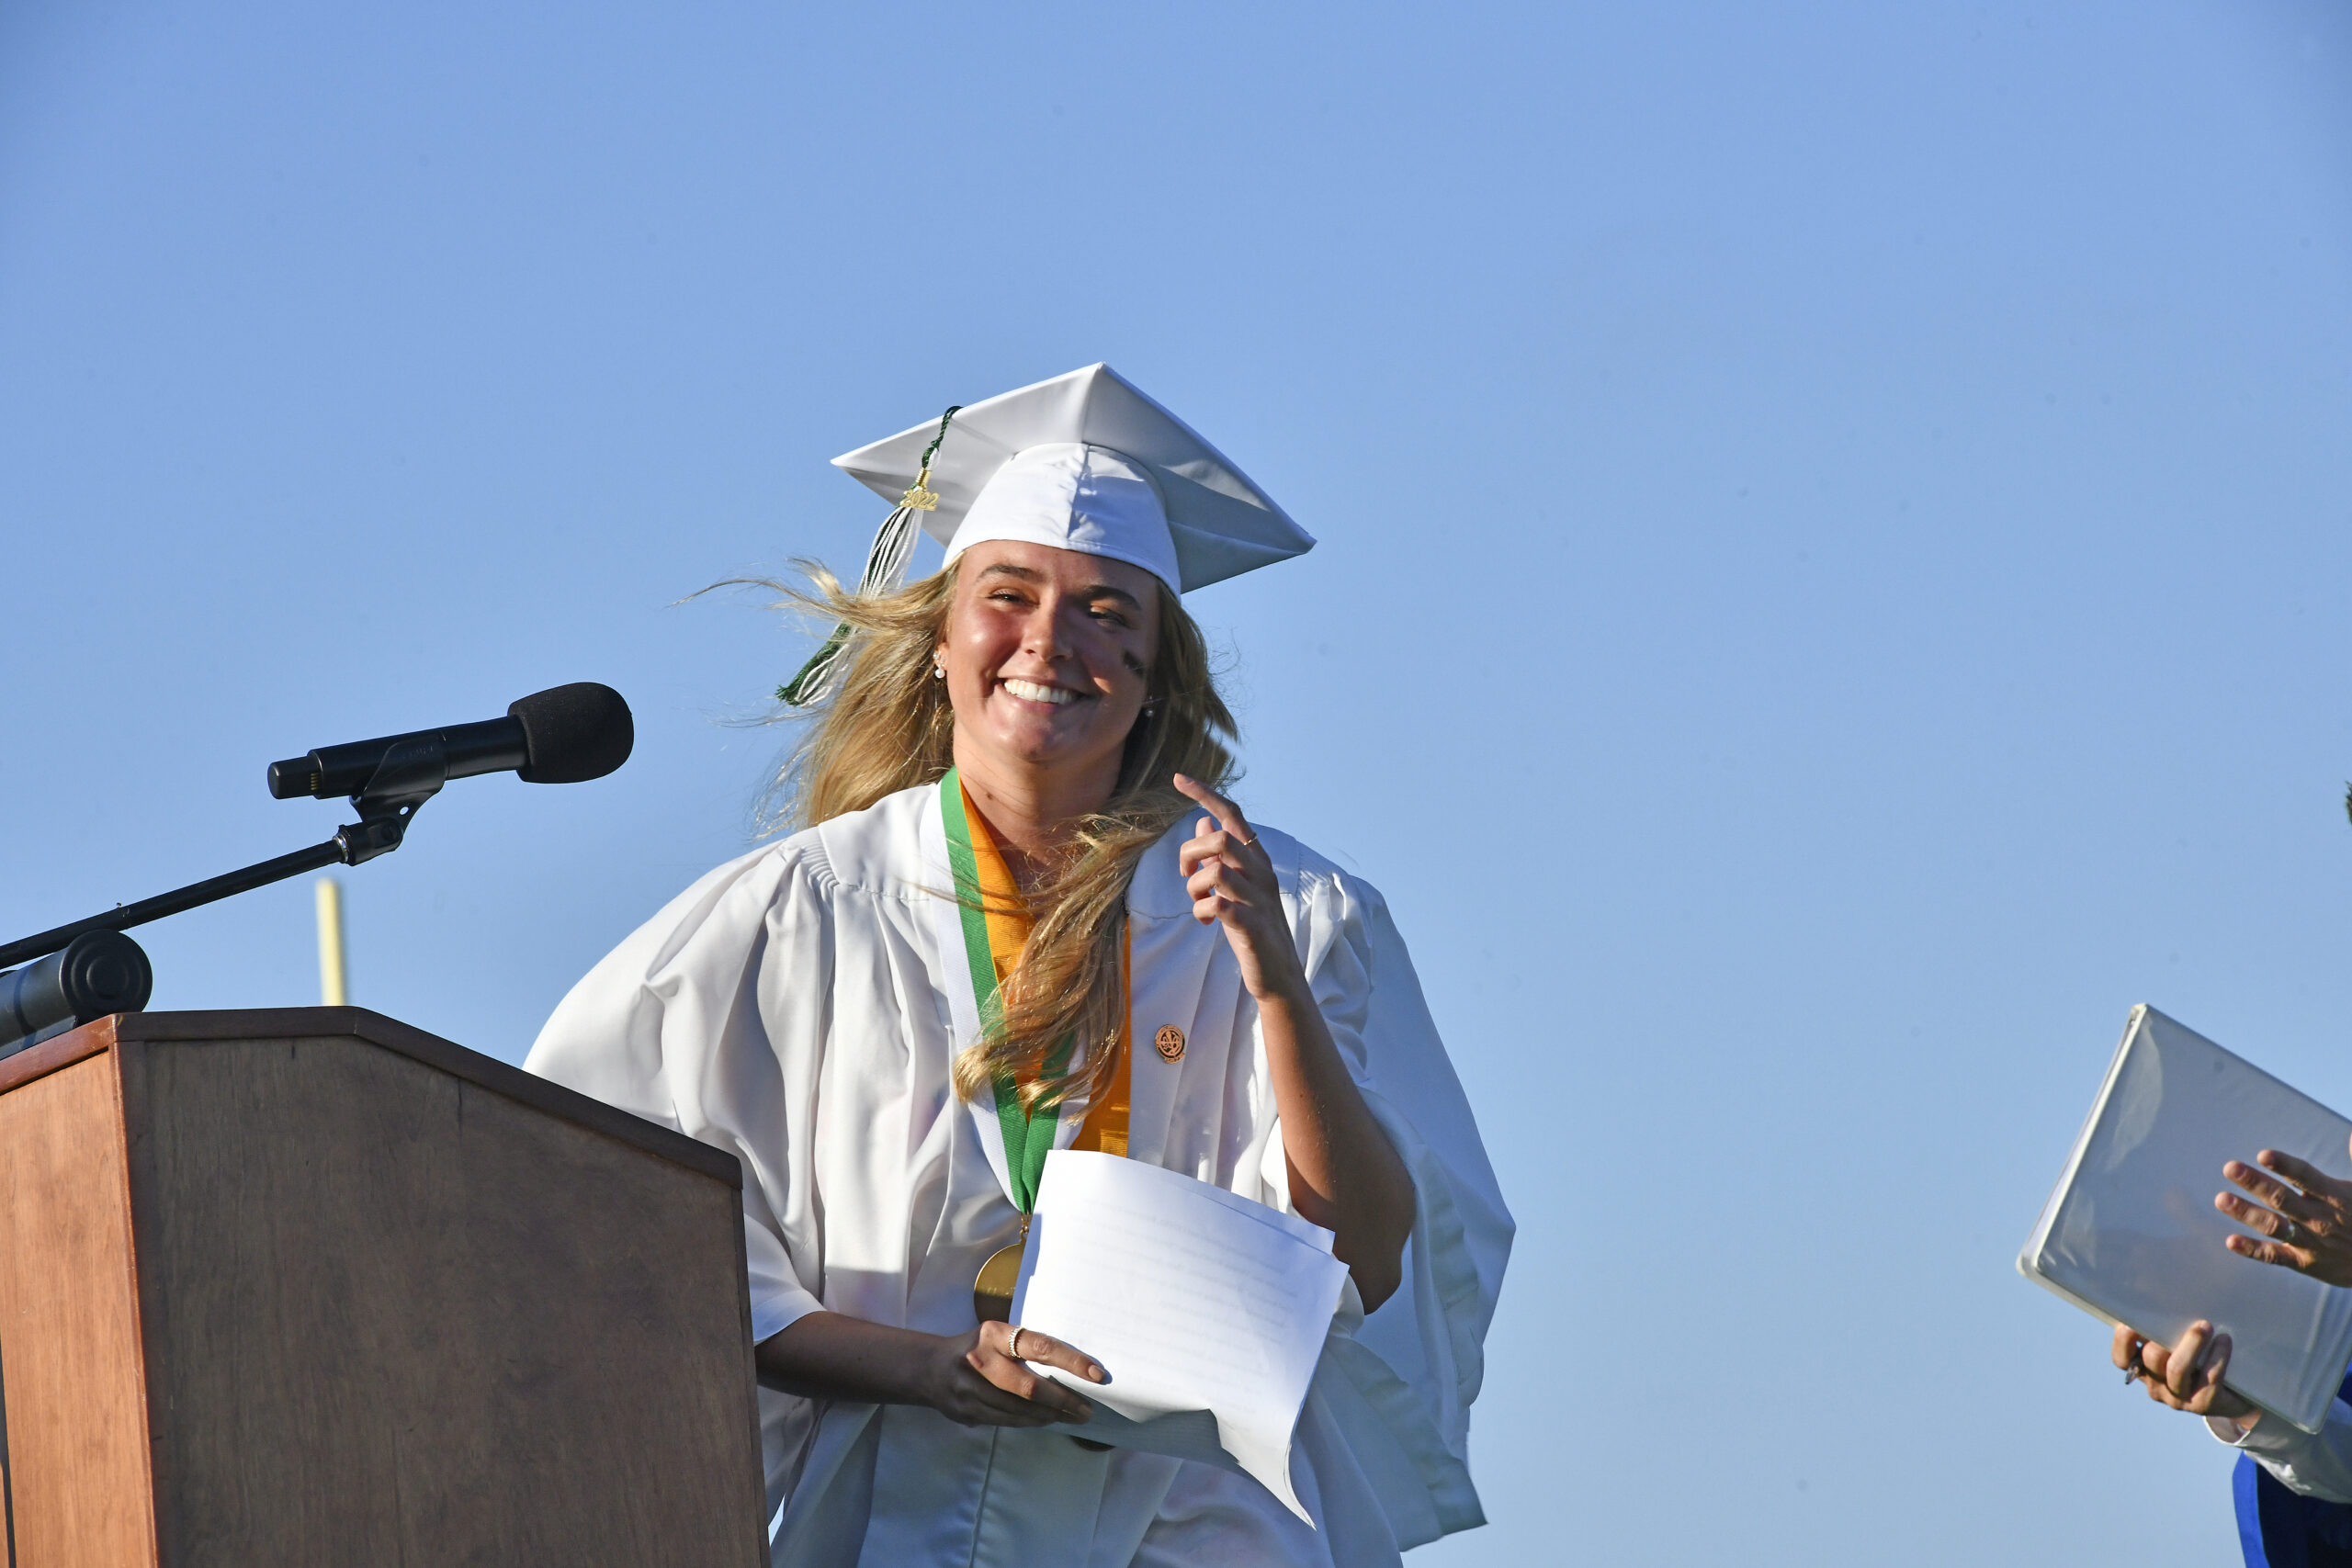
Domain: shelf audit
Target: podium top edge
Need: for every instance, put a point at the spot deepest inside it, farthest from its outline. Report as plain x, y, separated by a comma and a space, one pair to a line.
498, 1077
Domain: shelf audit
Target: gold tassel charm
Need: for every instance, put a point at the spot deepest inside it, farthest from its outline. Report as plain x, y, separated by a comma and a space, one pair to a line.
923, 498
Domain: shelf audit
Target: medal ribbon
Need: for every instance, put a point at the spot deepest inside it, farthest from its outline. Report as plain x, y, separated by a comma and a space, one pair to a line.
996, 928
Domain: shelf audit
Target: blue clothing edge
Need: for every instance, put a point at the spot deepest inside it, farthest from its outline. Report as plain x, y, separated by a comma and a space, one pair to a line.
2279, 1528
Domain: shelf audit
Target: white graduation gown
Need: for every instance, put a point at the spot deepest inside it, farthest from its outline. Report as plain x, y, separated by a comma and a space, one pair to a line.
793, 1009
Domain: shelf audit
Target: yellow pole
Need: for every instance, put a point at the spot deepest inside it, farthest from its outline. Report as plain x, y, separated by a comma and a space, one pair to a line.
330, 988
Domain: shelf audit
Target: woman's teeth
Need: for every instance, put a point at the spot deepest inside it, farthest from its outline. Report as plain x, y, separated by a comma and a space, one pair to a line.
1031, 692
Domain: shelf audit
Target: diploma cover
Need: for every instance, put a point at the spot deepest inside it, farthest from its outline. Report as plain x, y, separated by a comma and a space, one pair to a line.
2131, 1233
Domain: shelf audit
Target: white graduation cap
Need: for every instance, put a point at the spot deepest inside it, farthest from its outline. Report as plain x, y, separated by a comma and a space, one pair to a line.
1083, 462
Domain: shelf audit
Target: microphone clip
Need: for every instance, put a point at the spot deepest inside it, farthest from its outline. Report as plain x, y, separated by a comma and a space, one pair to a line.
411, 772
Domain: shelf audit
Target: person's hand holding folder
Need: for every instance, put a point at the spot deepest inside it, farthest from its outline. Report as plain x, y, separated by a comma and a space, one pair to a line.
2188, 1377
2307, 1225
2303, 1222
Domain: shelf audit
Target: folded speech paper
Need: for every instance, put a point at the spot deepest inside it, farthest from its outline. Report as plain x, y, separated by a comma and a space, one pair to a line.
1207, 1310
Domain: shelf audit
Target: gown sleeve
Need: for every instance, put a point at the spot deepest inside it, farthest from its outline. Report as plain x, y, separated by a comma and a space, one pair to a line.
2311, 1464
1389, 1417
674, 1026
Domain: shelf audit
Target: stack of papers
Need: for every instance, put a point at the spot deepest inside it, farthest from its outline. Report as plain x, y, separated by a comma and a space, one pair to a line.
1207, 1311
2130, 1234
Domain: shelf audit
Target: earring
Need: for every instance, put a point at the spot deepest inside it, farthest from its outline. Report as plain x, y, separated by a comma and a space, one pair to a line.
938, 672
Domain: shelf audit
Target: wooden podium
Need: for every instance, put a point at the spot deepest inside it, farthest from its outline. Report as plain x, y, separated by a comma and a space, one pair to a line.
308, 1286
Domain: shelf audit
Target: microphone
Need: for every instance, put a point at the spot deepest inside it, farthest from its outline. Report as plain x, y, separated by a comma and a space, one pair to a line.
563, 735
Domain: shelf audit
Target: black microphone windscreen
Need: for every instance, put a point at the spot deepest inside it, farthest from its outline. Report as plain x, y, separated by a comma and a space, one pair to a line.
574, 733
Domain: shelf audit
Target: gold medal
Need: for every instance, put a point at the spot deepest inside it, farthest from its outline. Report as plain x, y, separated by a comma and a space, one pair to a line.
992, 1289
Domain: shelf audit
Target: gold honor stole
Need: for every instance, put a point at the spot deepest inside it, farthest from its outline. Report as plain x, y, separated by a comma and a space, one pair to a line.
997, 924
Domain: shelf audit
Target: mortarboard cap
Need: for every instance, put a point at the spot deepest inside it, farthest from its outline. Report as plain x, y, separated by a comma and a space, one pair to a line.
1083, 462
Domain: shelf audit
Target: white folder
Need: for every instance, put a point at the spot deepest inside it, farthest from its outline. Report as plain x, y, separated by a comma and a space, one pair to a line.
2131, 1233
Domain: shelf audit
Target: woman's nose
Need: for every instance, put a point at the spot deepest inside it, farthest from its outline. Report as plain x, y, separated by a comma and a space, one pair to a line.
1045, 637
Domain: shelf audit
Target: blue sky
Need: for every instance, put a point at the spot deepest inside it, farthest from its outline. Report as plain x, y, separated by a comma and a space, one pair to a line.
1836, 534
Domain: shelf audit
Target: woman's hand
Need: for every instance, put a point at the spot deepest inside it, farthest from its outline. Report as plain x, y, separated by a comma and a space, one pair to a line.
1231, 879
1344, 1173
972, 1379
2186, 1377
2309, 1231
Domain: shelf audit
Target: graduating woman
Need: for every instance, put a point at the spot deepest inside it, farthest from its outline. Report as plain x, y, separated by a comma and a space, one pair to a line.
1020, 916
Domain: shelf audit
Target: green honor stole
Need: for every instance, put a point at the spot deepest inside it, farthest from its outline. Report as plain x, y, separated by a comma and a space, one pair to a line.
996, 923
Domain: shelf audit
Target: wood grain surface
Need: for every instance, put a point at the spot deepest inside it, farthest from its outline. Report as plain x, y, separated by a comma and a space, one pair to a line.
396, 1319
38, 1060
483, 1072
69, 1323
308, 1286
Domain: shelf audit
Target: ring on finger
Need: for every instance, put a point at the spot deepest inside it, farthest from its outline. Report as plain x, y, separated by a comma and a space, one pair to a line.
2290, 1232
1012, 1346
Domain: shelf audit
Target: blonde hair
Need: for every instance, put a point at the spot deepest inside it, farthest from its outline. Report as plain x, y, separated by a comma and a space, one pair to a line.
888, 726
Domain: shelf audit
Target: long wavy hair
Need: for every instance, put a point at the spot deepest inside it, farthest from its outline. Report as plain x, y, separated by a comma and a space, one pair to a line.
888, 726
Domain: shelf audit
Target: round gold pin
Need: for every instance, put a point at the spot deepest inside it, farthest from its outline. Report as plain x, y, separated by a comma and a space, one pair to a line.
1170, 1042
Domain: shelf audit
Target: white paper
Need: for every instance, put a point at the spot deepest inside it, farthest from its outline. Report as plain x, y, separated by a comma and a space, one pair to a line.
1207, 1311
2131, 1233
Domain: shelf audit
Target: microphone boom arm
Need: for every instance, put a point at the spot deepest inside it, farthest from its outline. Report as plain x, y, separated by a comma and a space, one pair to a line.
410, 774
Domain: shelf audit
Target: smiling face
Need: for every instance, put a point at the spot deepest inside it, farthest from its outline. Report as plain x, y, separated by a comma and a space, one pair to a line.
1048, 654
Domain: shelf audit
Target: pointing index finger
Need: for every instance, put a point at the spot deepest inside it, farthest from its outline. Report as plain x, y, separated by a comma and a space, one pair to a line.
1228, 815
